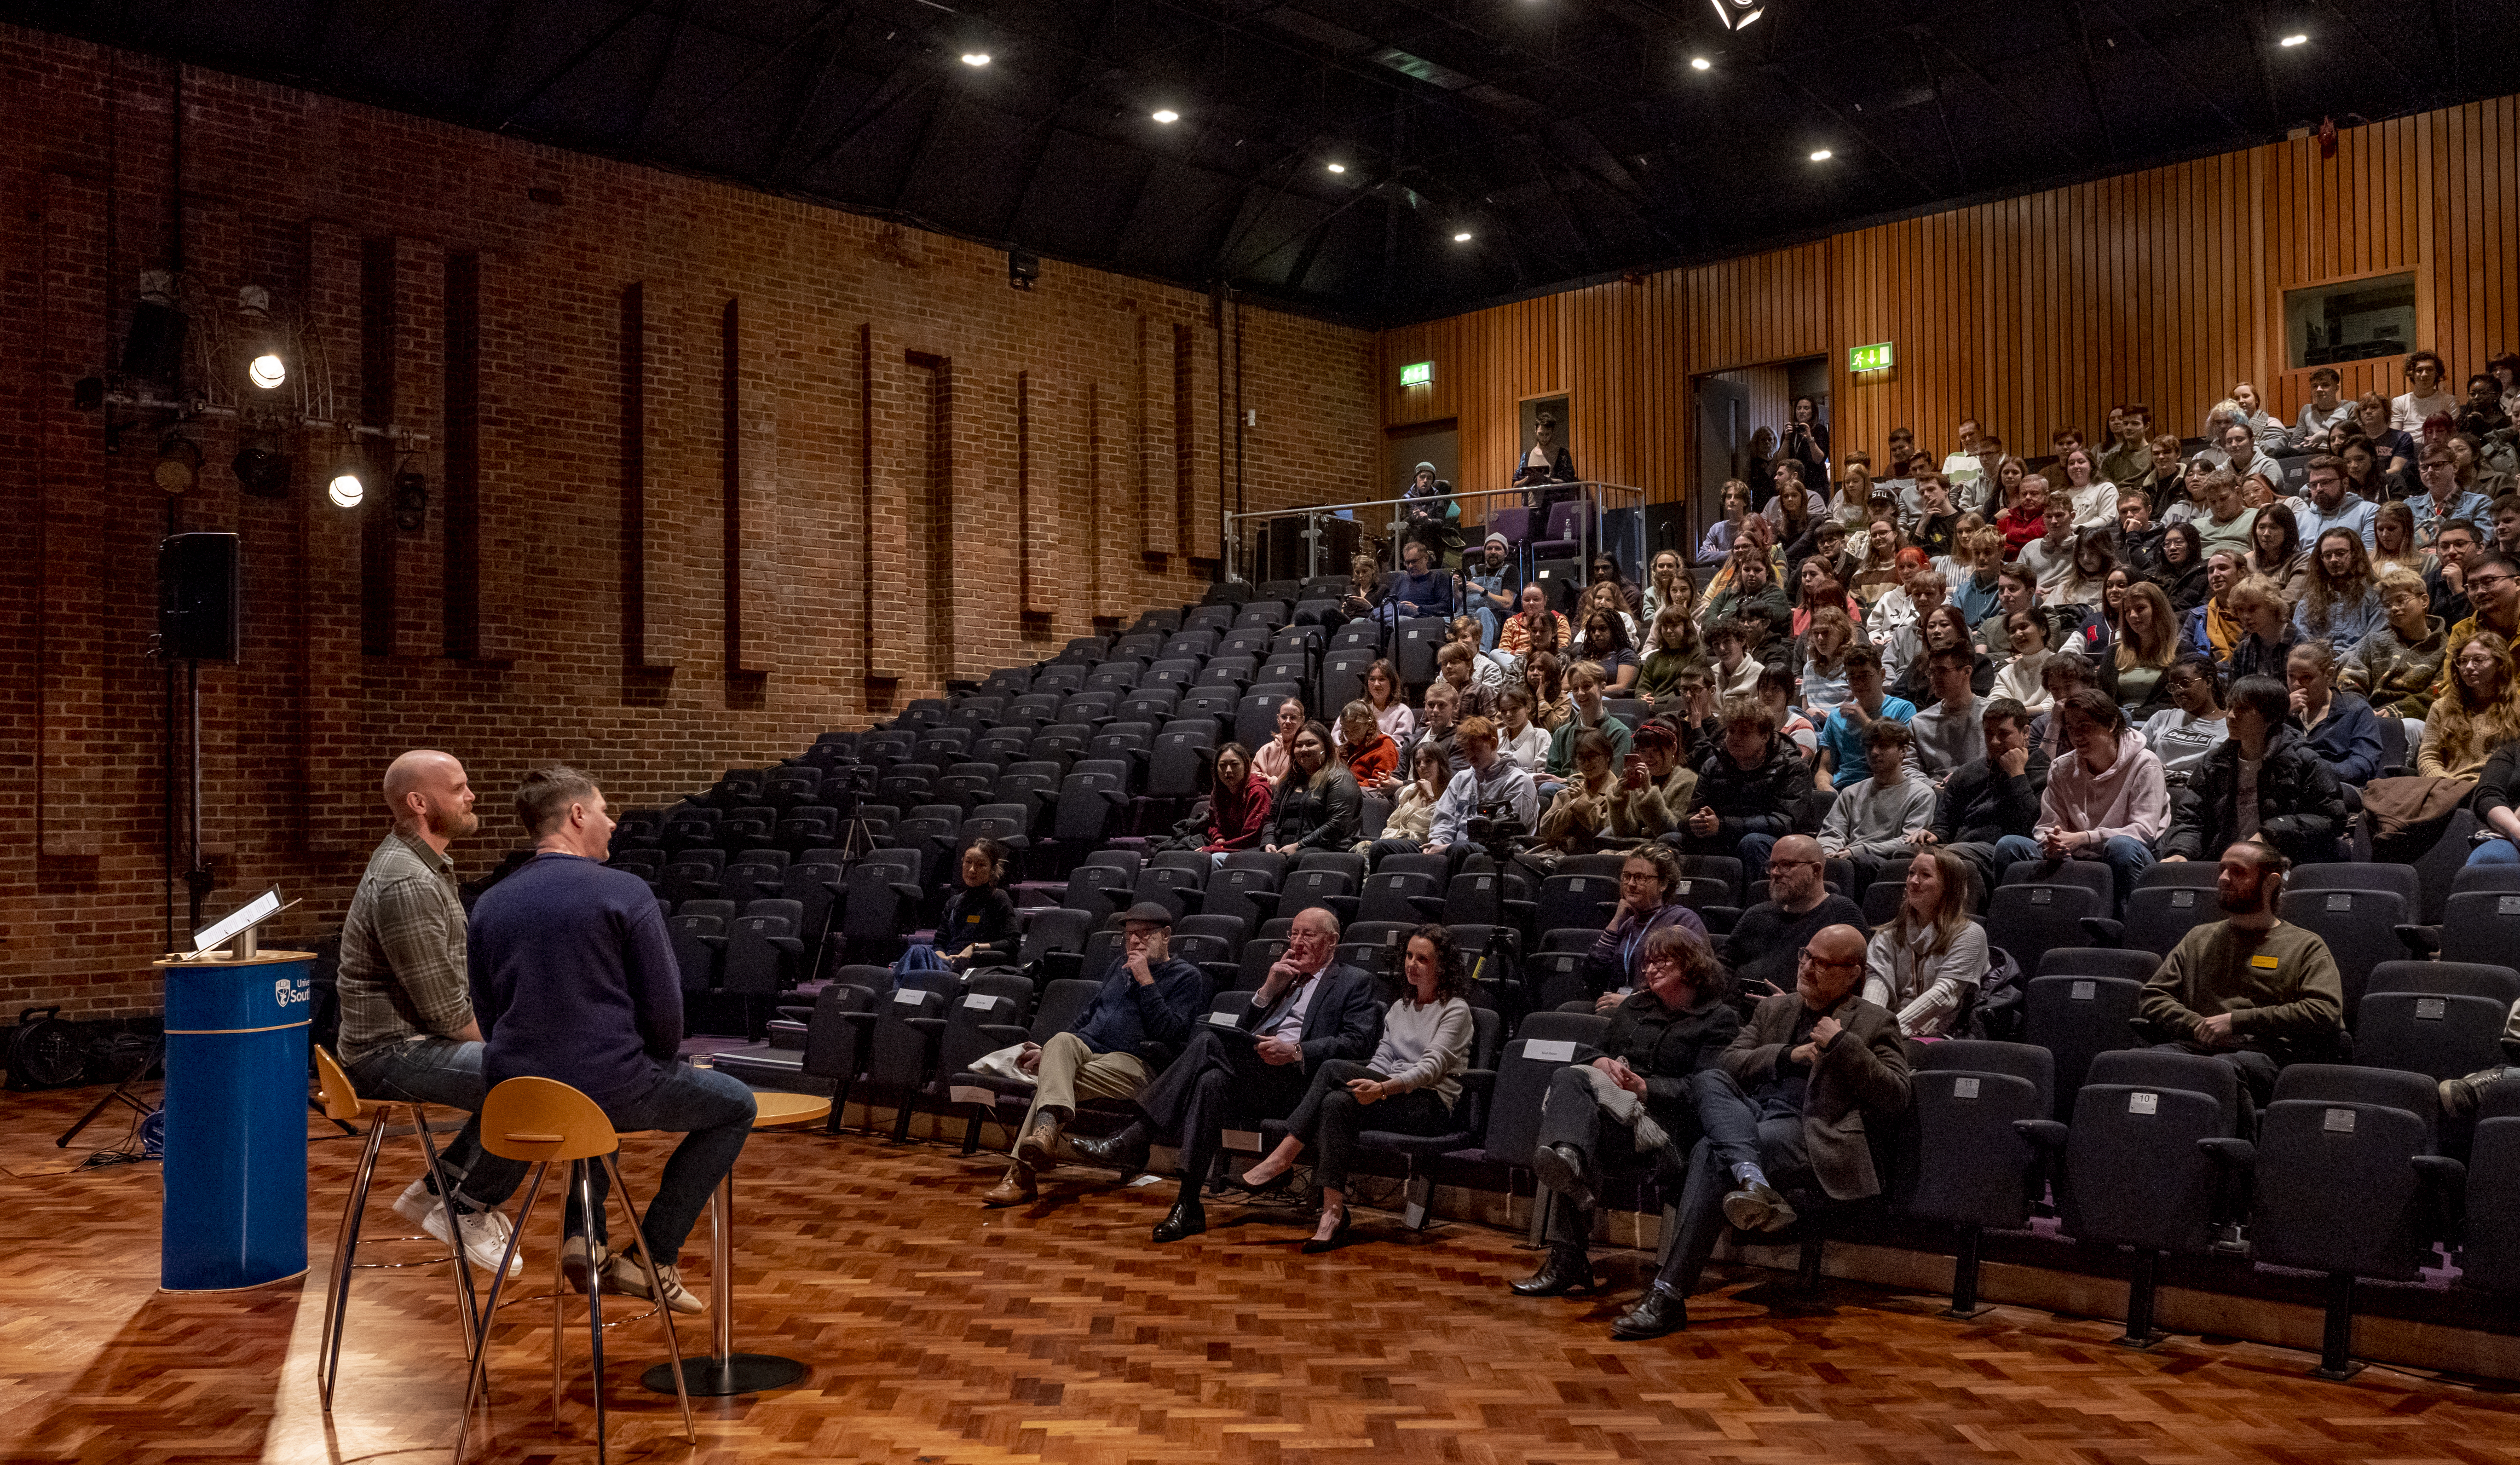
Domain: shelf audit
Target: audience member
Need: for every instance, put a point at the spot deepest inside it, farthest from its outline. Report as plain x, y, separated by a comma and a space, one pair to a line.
2128, 460
1411, 1085
1736, 674
2264, 783
1148, 997
2477, 714
2492, 586
1823, 655
1776, 693
1873, 820
2244, 456
2266, 625
2339, 726
2331, 506
2321, 416
979, 928
2397, 665
1944, 629
1544, 688
1437, 718
1995, 796
1626, 1104
1583, 687
1537, 628
2249, 989
2393, 447
2215, 627
2426, 395
1977, 593
1544, 469
2494, 790
1603, 643
2105, 800
1655, 785
1947, 730
1389, 708
2025, 521
1650, 886
1474, 679
2393, 540
1277, 754
2443, 502
2276, 554
2343, 604
1720, 536
1788, 1112
1370, 756
2137, 537
1931, 958
1748, 791
1759, 950
1577, 820
1841, 761
2194, 723
1406, 828
1668, 586
2226, 523
1431, 516
2022, 678
1311, 1010
1488, 785
1902, 640
574, 979
1365, 591
2146, 646
1317, 805
2181, 574
1493, 585
1672, 648
1524, 743
408, 1033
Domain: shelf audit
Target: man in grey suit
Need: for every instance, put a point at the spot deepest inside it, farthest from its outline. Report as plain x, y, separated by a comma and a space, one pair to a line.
1310, 1010
1787, 1107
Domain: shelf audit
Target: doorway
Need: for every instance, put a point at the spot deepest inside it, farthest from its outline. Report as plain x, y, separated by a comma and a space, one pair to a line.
1731, 408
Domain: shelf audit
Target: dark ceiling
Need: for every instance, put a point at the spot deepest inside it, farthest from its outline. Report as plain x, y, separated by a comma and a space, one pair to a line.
1569, 138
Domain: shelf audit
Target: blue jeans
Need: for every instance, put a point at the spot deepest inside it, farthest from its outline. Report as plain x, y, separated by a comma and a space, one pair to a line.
2127, 858
444, 1071
713, 1113
2495, 851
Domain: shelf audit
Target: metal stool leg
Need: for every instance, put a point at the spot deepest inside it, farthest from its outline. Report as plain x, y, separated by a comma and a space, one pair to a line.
466, 1304
345, 1250
481, 1354
583, 1178
656, 1291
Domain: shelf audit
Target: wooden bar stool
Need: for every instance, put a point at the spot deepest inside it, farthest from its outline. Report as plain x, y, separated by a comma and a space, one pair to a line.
543, 1120
341, 1102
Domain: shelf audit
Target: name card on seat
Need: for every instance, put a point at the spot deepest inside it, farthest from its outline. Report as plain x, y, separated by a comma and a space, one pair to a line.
2143, 1103
2084, 992
1965, 1086
1553, 1050
908, 997
980, 1000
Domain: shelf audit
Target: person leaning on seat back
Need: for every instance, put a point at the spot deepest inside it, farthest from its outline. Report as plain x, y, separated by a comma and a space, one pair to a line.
1787, 1115
2294, 803
575, 979
2253, 991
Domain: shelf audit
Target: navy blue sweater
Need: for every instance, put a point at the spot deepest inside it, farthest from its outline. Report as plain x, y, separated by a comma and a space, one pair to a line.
1124, 1015
574, 979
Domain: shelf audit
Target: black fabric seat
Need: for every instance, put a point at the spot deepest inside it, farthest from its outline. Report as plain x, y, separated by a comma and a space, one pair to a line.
1961, 1161
2159, 916
2075, 1018
1007, 1100
2360, 926
1470, 1122
2029, 920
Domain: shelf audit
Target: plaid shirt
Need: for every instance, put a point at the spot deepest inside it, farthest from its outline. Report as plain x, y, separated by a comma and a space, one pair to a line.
403, 973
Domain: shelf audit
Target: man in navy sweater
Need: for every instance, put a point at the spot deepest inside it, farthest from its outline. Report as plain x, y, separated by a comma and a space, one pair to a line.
1150, 996
574, 979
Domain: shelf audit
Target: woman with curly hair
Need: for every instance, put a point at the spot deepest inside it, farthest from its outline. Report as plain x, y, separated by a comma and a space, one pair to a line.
1409, 1087
2475, 716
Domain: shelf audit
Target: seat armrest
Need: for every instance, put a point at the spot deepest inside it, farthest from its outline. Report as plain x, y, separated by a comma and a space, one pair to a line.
714, 943
2104, 932
2425, 942
1720, 919
797, 1014
2445, 1174
1429, 907
1478, 1081
1223, 974
1343, 906
932, 1027
1004, 1034
2045, 1133
2230, 1154
794, 945
906, 889
1063, 964
1264, 901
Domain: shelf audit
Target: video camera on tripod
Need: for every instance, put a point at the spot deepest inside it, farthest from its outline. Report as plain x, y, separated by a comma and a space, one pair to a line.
1494, 828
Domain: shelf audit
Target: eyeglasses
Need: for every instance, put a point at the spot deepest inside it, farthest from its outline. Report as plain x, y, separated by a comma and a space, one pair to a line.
2487, 579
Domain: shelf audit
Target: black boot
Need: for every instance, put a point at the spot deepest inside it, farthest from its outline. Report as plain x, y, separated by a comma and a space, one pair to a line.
1567, 1270
1655, 1313
1560, 1167
1125, 1151
1186, 1220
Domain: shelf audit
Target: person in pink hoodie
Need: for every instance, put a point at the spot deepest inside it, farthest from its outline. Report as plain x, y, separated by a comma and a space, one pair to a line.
2105, 800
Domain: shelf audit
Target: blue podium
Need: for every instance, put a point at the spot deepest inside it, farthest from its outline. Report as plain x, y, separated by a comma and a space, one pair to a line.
236, 1122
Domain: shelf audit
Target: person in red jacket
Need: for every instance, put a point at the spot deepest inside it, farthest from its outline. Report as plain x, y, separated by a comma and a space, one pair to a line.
1238, 803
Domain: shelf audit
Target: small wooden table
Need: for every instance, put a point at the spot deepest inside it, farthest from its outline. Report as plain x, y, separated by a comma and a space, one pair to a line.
724, 1371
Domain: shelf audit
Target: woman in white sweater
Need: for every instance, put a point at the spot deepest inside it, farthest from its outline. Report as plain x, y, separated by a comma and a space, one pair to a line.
1924, 962
1409, 1087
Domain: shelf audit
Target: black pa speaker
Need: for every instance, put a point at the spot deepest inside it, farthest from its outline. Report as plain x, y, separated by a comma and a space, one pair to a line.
196, 597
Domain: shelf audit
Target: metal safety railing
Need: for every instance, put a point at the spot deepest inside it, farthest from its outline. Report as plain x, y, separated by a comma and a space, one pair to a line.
1304, 542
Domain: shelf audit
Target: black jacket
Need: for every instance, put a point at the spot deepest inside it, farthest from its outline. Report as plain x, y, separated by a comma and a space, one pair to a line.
1327, 820
1760, 800
1981, 804
1665, 1048
2500, 784
2300, 808
2185, 587
1343, 1020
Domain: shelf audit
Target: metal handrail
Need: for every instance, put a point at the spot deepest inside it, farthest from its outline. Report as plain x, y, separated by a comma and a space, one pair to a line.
1603, 494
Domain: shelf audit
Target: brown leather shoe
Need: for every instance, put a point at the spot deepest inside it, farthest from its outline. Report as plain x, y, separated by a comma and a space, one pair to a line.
1016, 1189
1037, 1145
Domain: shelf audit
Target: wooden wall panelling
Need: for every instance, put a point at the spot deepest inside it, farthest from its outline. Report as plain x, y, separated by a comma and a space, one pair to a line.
70, 684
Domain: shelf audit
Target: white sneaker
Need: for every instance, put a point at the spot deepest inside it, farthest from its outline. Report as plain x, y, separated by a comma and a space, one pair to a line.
625, 1275
415, 1203
485, 1239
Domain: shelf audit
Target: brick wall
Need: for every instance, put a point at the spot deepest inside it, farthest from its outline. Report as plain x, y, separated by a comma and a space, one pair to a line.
892, 397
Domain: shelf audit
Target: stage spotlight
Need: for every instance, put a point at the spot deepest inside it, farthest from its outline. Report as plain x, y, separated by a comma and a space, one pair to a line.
1166, 115
1736, 15
1023, 267
261, 469
1339, 167
345, 490
267, 370
2294, 40
179, 464
153, 351
1822, 154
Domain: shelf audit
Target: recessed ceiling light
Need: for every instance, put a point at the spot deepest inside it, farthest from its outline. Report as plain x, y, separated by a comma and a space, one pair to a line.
1339, 167
1461, 237
1821, 155
975, 58
1701, 63
2295, 40
1167, 115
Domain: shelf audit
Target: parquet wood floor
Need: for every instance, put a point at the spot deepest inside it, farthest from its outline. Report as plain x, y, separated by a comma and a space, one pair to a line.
940, 1333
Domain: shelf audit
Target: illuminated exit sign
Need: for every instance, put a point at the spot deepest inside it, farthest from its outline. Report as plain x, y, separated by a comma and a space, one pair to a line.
1871, 358
1418, 373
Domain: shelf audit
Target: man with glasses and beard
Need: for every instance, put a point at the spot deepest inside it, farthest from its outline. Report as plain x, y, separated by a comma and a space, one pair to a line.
2250, 990
1760, 949
408, 1035
1788, 1110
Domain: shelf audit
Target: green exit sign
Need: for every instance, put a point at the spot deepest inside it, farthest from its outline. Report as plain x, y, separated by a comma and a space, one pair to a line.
1871, 358
1418, 373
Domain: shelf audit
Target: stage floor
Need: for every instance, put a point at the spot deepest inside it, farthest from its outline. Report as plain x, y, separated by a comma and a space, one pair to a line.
939, 1332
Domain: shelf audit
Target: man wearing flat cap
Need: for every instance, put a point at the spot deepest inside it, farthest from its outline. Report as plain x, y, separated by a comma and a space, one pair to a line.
1148, 995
